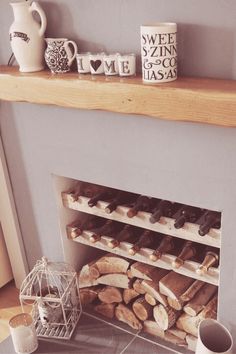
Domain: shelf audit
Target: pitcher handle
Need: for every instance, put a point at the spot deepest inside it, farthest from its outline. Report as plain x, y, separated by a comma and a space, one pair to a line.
74, 45
36, 7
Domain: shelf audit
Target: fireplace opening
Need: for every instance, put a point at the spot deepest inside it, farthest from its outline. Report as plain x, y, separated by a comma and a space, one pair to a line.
149, 265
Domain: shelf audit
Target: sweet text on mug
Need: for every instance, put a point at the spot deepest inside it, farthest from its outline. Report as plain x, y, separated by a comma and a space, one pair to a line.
159, 53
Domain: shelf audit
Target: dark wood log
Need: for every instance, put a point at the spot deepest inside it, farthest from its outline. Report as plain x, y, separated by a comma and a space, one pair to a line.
88, 295
107, 310
147, 272
173, 285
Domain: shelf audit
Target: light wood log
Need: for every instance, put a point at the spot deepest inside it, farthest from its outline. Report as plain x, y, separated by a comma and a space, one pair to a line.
126, 315
107, 310
142, 309
110, 294
84, 277
151, 327
192, 291
88, 295
129, 295
150, 299
174, 285
165, 316
138, 286
171, 338
147, 272
192, 342
117, 280
190, 324
109, 264
178, 303
200, 300
177, 332
152, 288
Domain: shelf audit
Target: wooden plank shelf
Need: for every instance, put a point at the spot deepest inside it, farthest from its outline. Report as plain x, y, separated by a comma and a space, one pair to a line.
199, 100
164, 226
189, 268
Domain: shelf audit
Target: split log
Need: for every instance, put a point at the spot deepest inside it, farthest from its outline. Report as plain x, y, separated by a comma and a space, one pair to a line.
117, 280
109, 264
179, 303
88, 295
192, 342
147, 272
85, 278
192, 291
152, 289
151, 327
142, 309
110, 295
177, 332
138, 286
126, 315
107, 310
129, 295
190, 324
150, 299
165, 316
200, 300
174, 285
171, 338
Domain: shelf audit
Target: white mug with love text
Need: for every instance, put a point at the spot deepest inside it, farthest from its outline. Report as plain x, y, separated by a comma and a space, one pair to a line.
96, 63
159, 52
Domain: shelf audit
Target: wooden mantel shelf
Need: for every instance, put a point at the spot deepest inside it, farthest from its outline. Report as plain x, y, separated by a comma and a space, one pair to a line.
186, 99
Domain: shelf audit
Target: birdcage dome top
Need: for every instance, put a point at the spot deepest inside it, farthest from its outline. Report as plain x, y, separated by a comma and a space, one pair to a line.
47, 279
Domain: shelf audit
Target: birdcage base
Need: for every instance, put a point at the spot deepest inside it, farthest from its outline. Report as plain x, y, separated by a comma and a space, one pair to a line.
60, 331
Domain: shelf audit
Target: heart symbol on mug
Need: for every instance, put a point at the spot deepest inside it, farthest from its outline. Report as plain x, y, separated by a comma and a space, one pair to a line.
95, 64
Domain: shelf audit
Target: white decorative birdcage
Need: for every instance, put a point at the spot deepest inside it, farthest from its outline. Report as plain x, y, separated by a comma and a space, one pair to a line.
52, 290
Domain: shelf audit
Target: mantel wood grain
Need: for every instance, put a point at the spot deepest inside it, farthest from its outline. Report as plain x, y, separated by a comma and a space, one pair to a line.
186, 99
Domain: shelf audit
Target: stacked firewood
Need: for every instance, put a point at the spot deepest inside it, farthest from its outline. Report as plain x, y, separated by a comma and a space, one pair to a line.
160, 302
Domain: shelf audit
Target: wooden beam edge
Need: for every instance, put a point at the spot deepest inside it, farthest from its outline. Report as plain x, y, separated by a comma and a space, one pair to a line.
189, 99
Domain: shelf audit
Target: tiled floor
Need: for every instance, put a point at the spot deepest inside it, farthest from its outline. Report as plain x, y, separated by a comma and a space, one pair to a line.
9, 306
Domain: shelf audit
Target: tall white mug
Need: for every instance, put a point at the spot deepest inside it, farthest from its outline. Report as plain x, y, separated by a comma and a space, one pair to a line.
213, 338
159, 52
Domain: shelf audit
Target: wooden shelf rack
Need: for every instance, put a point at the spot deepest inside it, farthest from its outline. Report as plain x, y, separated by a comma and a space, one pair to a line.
164, 226
199, 100
189, 232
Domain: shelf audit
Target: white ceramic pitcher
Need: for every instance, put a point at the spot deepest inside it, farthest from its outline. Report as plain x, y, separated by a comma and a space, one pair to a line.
27, 36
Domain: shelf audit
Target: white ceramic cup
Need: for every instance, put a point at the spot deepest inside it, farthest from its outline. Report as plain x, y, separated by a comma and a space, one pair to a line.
83, 62
111, 64
213, 338
159, 52
96, 63
127, 64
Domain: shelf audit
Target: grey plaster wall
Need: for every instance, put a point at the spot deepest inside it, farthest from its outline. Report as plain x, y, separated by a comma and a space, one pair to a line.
190, 163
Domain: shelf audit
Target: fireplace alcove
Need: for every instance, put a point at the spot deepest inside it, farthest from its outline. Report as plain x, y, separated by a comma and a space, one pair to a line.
188, 162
